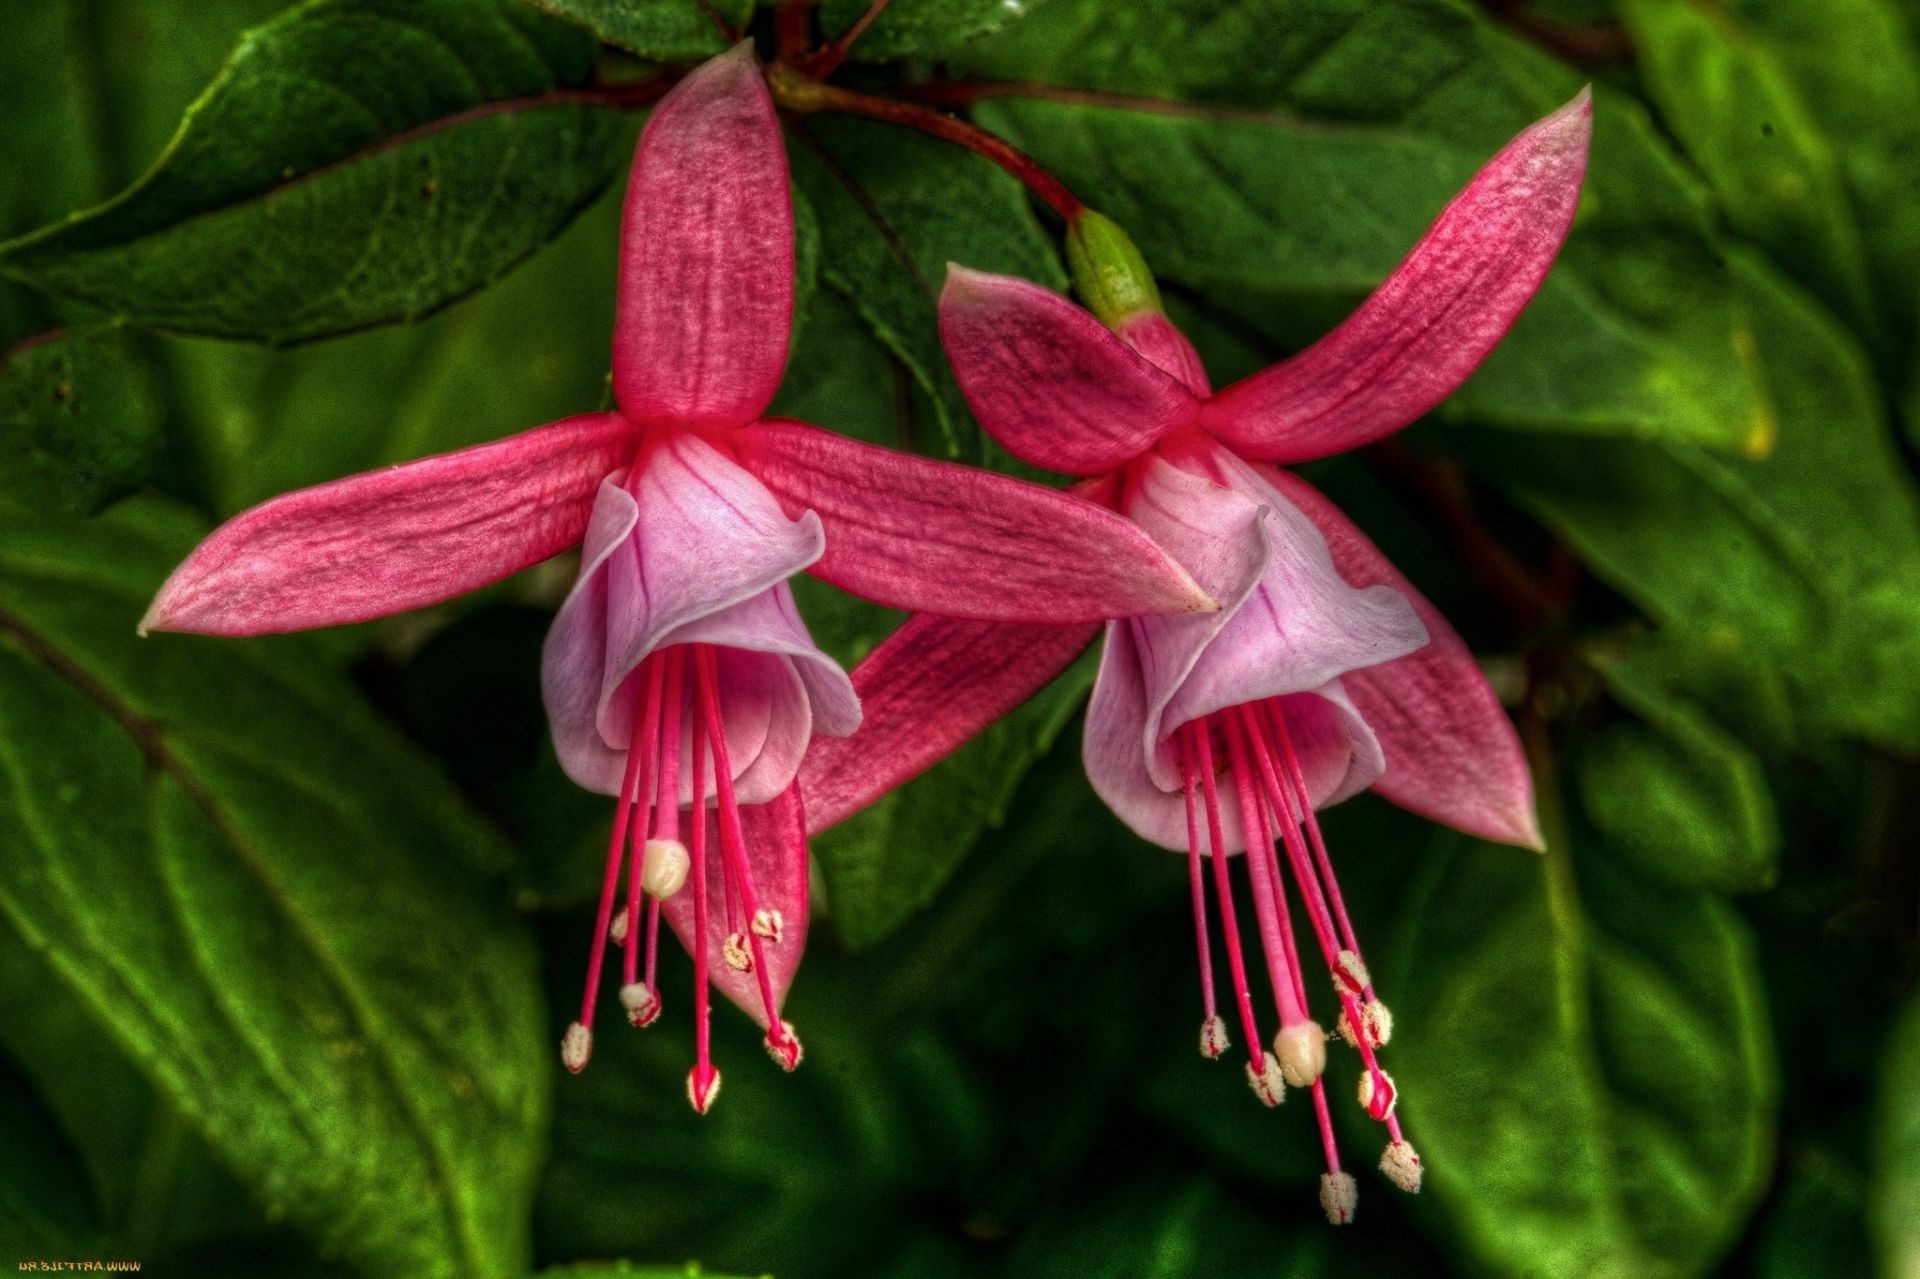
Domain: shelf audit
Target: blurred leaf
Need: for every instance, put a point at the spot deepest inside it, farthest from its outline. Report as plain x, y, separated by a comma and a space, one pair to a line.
1681, 797
1818, 1226
1806, 561
928, 28
46, 1209
271, 904
1725, 95
1288, 154
355, 162
894, 208
627, 1270
1174, 1225
1896, 1175
886, 863
80, 420
664, 30
1590, 1075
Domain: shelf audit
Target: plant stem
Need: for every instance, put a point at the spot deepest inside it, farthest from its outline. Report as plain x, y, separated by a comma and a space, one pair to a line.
829, 59
800, 93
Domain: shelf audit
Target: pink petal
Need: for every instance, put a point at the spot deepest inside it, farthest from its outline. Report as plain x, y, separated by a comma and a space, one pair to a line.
1413, 342
776, 845
1451, 752
1048, 380
934, 537
1136, 772
691, 549
706, 254
924, 692
1291, 624
396, 539
1160, 340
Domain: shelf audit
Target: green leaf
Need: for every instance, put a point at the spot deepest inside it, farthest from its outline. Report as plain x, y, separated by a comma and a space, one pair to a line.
356, 162
1685, 800
888, 862
926, 28
628, 1270
1589, 1078
894, 208
1805, 562
80, 420
1726, 96
1896, 1175
664, 30
1281, 158
271, 904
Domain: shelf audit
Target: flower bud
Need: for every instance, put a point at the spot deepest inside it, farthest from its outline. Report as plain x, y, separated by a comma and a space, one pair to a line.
1108, 271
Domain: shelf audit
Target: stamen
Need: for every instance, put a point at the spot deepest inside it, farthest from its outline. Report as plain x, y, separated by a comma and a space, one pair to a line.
1377, 1093
1402, 1166
1264, 872
769, 924
642, 1005
617, 931
576, 1047
1339, 1196
640, 752
703, 1086
1377, 1021
1201, 754
734, 951
704, 1081
666, 802
784, 1047
1267, 1081
1213, 1037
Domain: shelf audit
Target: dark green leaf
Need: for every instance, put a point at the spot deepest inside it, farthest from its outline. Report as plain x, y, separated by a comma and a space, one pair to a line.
1818, 1225
1896, 1175
627, 1270
885, 864
664, 30
271, 904
927, 28
46, 1208
356, 162
1287, 155
1725, 95
1681, 797
1589, 1076
1806, 561
894, 208
80, 420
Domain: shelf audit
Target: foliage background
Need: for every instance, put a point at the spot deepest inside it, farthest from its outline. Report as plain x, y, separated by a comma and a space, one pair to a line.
288, 927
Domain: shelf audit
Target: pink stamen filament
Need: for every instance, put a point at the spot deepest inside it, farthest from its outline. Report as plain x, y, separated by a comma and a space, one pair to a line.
1262, 870
1200, 753
610, 883
1279, 721
697, 871
732, 839
666, 803
1196, 880
646, 733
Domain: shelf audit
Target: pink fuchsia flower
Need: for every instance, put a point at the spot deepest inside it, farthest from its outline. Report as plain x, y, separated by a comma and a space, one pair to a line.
678, 675
1325, 673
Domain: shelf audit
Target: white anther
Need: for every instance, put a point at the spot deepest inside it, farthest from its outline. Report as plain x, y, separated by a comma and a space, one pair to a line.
786, 1051
1213, 1037
642, 1006
1267, 1082
768, 924
735, 952
1402, 1166
664, 870
576, 1047
1302, 1052
1339, 1195
1350, 977
702, 1096
1368, 1100
617, 930
1378, 1021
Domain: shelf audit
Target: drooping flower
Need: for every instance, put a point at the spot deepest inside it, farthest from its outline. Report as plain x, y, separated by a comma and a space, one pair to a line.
678, 675
1325, 673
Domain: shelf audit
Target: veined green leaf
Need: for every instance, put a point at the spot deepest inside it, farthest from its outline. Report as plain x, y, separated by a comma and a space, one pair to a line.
80, 420
271, 904
924, 28
663, 30
356, 162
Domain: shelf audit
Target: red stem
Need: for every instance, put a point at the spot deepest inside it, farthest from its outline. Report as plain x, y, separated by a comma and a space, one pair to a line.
829, 59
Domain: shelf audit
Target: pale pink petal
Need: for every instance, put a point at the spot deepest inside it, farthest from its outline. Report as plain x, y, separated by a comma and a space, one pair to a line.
1160, 340
938, 538
706, 254
1451, 752
395, 539
927, 689
1049, 381
1292, 624
1138, 776
1413, 342
691, 549
776, 846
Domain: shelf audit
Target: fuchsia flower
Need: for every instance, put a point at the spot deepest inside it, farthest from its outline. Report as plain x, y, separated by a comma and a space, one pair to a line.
678, 675
1324, 674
